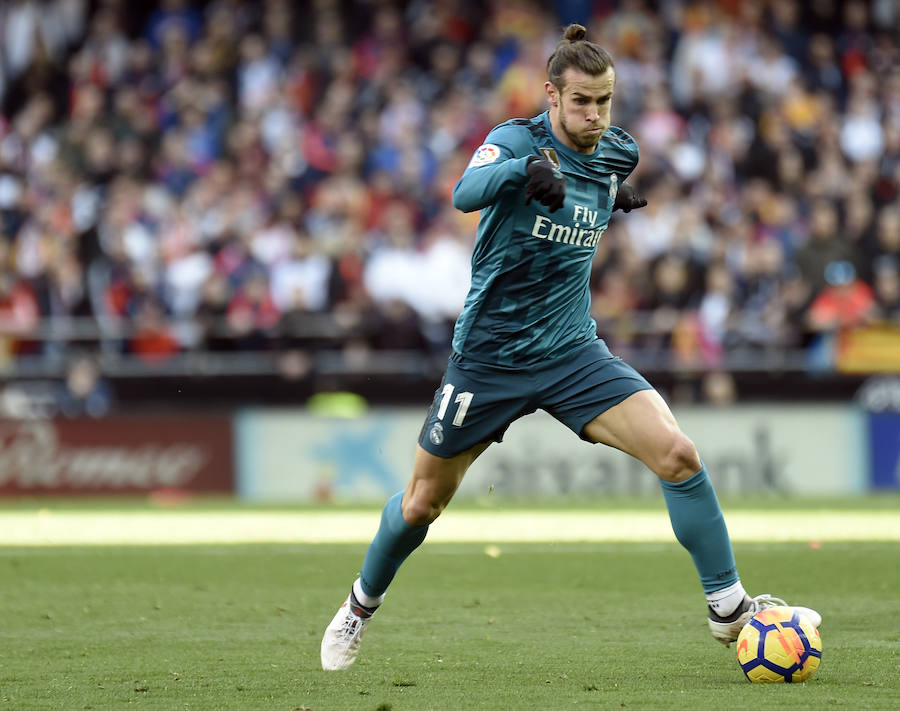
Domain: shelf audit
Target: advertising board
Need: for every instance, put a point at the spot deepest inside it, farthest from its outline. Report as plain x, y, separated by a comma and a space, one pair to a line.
803, 450
117, 455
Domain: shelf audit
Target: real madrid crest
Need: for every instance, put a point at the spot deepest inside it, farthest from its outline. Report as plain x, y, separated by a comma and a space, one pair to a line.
550, 154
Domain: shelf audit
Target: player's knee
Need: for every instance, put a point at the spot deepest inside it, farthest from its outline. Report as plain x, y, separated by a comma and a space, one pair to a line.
680, 459
419, 511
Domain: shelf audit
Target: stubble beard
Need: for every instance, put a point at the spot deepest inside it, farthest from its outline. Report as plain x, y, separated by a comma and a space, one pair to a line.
590, 144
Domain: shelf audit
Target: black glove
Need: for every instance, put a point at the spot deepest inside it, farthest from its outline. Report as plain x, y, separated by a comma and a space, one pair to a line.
626, 200
545, 184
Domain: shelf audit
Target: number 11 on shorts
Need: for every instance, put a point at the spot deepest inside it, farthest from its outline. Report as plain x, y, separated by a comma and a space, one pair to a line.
464, 400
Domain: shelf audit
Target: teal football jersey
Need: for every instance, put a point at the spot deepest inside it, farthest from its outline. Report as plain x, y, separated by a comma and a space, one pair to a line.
530, 298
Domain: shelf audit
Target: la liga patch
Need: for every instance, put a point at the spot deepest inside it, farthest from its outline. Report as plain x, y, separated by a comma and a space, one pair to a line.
485, 154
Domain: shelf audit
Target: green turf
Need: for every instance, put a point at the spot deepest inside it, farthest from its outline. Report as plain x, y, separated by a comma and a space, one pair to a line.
540, 627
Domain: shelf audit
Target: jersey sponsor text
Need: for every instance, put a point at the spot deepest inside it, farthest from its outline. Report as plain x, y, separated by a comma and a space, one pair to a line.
545, 228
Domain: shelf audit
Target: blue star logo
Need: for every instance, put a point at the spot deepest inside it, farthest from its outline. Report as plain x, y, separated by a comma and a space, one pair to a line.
354, 453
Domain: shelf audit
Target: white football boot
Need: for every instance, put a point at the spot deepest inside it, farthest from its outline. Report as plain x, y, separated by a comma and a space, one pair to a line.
340, 644
727, 629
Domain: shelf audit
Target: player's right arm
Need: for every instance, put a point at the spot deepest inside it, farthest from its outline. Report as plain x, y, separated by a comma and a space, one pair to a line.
482, 182
495, 167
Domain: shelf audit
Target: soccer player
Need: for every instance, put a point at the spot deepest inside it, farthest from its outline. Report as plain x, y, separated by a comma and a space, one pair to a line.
546, 188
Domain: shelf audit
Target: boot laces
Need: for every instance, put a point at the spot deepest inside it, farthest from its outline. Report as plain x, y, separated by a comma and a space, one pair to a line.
764, 601
351, 626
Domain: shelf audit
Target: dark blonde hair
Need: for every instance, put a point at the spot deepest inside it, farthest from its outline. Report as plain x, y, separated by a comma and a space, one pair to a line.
575, 51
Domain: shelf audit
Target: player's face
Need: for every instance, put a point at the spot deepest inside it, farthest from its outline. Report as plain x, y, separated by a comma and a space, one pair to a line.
579, 113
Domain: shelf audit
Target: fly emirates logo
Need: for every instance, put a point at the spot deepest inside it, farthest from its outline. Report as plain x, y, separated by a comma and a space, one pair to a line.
545, 228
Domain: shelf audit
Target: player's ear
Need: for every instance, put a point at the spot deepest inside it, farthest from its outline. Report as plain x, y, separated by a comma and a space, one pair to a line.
552, 94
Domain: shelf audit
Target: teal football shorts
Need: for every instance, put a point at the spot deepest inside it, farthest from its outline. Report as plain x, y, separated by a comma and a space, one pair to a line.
477, 402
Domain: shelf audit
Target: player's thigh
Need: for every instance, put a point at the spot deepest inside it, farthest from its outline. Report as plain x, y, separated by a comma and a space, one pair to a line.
643, 426
586, 384
474, 404
472, 407
433, 483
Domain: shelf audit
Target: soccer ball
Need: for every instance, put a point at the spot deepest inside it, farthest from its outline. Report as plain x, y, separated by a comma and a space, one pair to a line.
779, 644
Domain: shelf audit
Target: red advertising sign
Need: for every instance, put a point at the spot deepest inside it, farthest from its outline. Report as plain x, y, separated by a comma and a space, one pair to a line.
117, 455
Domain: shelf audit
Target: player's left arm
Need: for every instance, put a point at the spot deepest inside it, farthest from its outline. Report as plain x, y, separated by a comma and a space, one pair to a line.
626, 199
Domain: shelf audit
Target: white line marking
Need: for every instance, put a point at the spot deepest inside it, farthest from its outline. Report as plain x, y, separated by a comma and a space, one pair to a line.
54, 528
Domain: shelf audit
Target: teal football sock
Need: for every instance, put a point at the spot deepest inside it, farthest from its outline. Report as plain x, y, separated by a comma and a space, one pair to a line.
393, 543
700, 527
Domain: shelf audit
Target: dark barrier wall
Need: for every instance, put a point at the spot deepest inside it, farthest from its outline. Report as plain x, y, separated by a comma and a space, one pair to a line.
121, 455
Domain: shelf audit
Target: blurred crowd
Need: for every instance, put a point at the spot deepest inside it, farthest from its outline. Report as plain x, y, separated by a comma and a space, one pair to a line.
233, 175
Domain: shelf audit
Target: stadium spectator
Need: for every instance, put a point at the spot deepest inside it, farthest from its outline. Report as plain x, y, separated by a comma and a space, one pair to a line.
887, 291
845, 302
825, 245
19, 316
252, 315
84, 392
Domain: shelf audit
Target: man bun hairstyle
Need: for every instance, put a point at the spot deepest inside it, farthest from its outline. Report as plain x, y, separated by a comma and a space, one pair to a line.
575, 32
575, 51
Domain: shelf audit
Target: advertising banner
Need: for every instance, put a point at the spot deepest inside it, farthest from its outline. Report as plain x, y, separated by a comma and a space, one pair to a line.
884, 449
748, 450
117, 455
872, 349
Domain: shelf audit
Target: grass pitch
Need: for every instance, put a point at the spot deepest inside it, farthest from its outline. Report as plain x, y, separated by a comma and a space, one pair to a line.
539, 626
